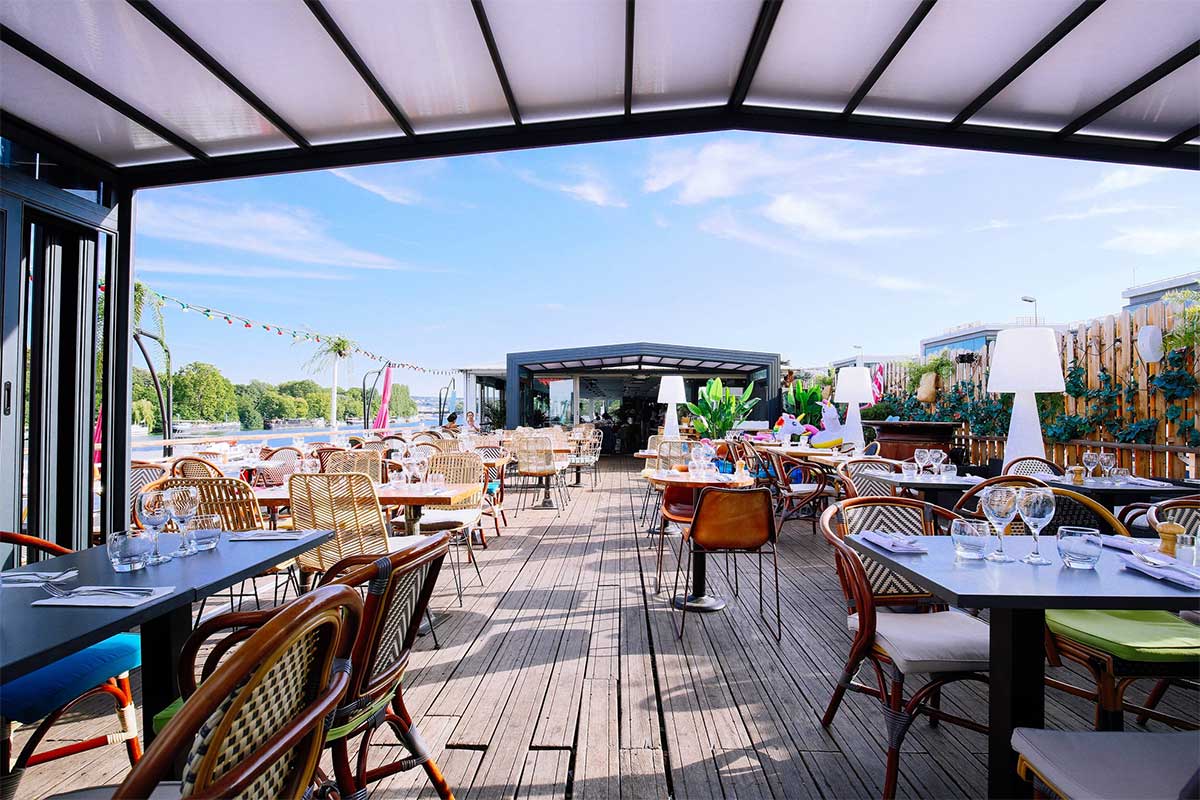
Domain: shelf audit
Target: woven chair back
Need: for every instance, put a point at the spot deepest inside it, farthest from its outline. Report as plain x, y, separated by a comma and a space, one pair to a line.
968, 504
256, 726
1184, 511
448, 445
398, 587
426, 436
325, 453
673, 452
857, 480
1072, 508
284, 454
887, 515
373, 445
192, 467
396, 446
230, 499
535, 455
652, 443
460, 468
426, 449
344, 503
368, 462
141, 475
1032, 465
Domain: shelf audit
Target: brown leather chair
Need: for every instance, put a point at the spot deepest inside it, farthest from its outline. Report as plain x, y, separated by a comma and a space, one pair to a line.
677, 507
732, 521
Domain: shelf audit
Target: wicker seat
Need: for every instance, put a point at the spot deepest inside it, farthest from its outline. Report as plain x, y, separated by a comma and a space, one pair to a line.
47, 693
856, 480
344, 503
586, 455
193, 467
1032, 465
323, 455
281, 462
792, 495
536, 463
367, 462
256, 726
949, 646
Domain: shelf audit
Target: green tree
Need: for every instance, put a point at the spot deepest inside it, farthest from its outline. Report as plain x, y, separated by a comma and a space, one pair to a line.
144, 412
203, 393
401, 404
318, 404
251, 418
350, 402
330, 353
300, 388
274, 405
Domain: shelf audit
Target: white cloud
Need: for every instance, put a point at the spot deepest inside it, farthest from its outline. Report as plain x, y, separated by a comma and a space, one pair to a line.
716, 171
816, 218
1155, 241
1116, 180
284, 232
172, 267
993, 225
724, 224
1105, 211
588, 185
390, 190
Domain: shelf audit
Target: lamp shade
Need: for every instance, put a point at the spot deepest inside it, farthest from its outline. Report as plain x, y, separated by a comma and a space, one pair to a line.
670, 389
853, 386
1026, 360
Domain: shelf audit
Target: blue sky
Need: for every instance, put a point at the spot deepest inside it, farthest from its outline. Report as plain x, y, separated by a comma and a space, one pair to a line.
799, 245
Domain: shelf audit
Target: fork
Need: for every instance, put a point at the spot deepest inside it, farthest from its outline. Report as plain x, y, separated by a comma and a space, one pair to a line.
133, 591
1164, 564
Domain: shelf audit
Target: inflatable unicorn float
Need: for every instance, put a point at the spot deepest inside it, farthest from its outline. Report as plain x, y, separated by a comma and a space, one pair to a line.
830, 434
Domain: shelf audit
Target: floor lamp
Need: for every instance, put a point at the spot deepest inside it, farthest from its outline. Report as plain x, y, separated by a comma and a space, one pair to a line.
671, 392
853, 387
1025, 361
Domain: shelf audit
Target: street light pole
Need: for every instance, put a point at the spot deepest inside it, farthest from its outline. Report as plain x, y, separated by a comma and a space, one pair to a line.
1033, 300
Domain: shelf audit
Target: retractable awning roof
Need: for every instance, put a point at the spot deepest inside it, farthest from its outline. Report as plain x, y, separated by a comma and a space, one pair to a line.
171, 91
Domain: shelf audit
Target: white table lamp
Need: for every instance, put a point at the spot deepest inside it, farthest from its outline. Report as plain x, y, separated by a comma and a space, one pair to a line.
1026, 360
853, 387
671, 391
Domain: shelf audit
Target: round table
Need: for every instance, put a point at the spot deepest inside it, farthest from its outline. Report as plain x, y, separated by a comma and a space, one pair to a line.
699, 599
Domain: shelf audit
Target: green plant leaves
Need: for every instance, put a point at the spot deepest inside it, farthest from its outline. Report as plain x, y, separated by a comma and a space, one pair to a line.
718, 410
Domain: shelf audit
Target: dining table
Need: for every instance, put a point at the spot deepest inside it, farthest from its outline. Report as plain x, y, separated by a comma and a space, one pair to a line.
33, 636
1113, 495
412, 496
700, 599
940, 490
1017, 596
825, 456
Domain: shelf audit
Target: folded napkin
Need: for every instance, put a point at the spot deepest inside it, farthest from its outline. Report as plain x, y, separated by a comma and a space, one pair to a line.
104, 600
972, 478
1128, 543
895, 542
1137, 481
35, 578
1190, 580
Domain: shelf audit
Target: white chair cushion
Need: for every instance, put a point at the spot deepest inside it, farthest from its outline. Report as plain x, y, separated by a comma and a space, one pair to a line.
1116, 765
941, 641
809, 488
435, 519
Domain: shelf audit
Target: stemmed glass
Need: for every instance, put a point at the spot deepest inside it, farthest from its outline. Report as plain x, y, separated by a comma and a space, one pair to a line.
936, 457
921, 456
420, 465
999, 504
154, 512
1089, 461
183, 503
1036, 507
1108, 462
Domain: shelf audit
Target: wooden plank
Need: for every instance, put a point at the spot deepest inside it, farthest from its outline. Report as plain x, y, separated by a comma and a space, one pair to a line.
545, 775
597, 770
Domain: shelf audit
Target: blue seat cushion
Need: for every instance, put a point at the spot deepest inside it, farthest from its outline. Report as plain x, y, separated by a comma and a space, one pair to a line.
31, 697
493, 487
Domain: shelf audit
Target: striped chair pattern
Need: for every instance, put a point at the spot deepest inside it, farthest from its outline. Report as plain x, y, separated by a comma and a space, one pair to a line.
344, 503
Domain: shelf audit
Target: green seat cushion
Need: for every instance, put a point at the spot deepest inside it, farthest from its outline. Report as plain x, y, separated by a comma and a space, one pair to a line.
1130, 635
166, 715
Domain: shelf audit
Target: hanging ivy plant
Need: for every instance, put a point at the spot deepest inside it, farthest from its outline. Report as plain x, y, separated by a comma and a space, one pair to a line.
1076, 381
1174, 381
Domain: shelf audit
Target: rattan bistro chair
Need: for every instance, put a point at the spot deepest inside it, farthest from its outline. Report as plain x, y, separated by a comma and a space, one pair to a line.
731, 521
792, 496
536, 463
46, 694
856, 479
586, 455
323, 454
344, 503
464, 516
968, 503
1031, 465
396, 588
193, 467
367, 462
255, 727
947, 645
141, 475
281, 462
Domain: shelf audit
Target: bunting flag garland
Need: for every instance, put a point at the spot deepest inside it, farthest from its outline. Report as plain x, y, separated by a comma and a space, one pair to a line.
297, 334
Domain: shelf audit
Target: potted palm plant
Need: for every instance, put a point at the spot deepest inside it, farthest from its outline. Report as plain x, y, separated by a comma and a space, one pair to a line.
718, 410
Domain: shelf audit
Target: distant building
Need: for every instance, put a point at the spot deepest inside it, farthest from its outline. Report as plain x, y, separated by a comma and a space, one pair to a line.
1148, 293
976, 336
867, 360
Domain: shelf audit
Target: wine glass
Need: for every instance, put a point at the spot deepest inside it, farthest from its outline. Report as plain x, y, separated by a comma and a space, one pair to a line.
1108, 462
154, 513
183, 502
1089, 461
921, 456
999, 504
1036, 507
936, 457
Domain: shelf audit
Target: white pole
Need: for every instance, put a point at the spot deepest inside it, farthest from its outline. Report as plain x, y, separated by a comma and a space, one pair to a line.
333, 420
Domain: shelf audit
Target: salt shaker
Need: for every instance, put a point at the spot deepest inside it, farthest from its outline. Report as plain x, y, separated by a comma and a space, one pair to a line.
1185, 549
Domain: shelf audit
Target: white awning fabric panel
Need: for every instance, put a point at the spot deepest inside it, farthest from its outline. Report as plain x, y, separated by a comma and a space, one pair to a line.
1171, 104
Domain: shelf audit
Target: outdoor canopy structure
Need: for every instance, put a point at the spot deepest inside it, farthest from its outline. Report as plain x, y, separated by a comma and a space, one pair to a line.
170, 91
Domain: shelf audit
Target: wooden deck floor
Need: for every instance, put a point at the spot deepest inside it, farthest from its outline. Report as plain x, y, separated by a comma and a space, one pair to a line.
562, 677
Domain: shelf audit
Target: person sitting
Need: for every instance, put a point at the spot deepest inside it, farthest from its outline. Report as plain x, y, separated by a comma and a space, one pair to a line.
452, 422
472, 425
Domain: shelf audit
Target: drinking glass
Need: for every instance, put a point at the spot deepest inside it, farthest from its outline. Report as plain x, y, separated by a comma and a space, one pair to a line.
970, 538
949, 471
936, 457
154, 512
1089, 461
436, 479
1079, 547
1036, 507
183, 502
909, 470
1120, 475
205, 531
921, 456
127, 550
420, 467
999, 505
1107, 462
